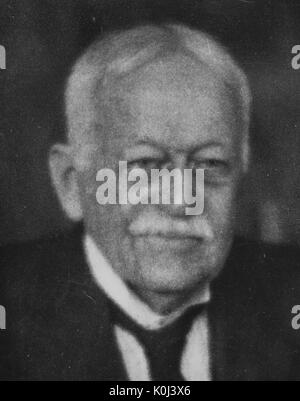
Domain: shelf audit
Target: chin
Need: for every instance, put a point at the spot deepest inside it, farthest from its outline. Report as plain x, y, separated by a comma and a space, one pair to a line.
175, 277
167, 270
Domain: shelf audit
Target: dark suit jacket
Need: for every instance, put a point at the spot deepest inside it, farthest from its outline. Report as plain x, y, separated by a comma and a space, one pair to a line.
59, 327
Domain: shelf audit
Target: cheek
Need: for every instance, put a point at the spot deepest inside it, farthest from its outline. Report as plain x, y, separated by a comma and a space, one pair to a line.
220, 205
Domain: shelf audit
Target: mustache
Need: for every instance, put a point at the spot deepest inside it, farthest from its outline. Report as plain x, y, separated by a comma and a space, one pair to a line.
156, 225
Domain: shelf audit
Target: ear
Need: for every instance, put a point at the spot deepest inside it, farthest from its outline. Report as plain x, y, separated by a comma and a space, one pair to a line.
64, 179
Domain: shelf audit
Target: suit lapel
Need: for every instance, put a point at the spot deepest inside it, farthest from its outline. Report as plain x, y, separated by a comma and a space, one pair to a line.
246, 344
243, 351
105, 361
92, 351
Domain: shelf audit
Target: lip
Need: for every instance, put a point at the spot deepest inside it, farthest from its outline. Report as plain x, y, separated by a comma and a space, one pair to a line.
173, 242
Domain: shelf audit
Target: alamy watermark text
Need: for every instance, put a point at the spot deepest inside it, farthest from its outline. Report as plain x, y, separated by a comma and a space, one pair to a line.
138, 186
2, 58
2, 318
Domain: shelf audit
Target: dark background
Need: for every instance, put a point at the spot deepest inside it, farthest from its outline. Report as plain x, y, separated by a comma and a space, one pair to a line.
42, 39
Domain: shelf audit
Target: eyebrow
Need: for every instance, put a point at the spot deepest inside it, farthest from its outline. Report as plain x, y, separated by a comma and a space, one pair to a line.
212, 144
160, 147
150, 142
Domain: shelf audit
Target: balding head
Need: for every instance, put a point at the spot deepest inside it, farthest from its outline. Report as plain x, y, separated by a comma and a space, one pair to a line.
113, 57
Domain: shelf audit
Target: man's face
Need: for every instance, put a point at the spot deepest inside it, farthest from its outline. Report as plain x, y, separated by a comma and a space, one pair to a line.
171, 114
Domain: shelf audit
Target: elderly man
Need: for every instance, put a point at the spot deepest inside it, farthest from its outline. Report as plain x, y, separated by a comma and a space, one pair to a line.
145, 291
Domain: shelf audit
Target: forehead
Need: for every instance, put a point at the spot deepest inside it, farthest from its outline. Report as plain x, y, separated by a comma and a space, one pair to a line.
175, 102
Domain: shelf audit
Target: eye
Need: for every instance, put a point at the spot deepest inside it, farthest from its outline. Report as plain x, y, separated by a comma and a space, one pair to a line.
215, 169
210, 164
146, 163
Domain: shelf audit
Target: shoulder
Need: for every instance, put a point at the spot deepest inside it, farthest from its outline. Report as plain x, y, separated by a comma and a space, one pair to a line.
265, 279
273, 269
31, 251
55, 312
265, 260
29, 269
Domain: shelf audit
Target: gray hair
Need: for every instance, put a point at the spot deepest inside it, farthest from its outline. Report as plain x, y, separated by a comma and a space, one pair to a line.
122, 52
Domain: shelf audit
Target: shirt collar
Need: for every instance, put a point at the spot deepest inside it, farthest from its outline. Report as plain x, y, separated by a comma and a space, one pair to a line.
117, 290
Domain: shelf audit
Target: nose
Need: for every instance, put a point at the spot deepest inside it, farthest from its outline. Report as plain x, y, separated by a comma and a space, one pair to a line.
175, 210
175, 205
174, 184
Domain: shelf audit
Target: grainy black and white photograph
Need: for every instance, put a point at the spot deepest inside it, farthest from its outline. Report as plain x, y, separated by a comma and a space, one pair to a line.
149, 193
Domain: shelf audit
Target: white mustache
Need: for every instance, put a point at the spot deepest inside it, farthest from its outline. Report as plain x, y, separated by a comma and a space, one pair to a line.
164, 226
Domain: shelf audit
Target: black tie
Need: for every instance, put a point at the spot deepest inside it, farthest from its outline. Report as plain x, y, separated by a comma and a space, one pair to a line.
163, 347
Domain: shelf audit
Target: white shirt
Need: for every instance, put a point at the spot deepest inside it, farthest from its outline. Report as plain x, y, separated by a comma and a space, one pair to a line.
195, 361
